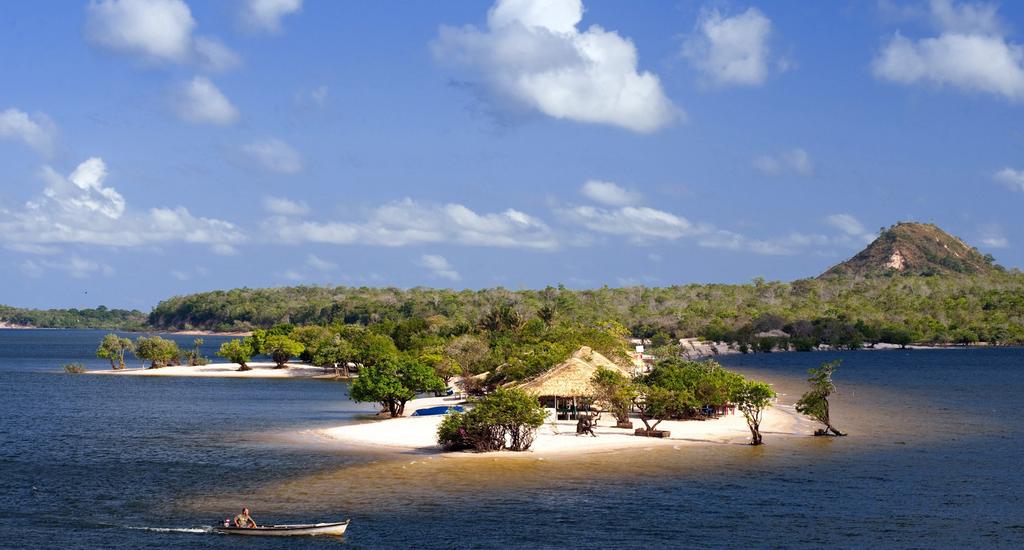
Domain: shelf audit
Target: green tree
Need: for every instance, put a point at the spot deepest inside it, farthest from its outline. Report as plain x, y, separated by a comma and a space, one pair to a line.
656, 403
506, 419
371, 349
444, 367
113, 348
158, 351
814, 403
194, 358
281, 348
256, 341
393, 382
335, 351
753, 398
616, 392
237, 351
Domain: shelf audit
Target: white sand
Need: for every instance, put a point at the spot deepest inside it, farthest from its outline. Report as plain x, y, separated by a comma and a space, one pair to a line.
419, 433
226, 370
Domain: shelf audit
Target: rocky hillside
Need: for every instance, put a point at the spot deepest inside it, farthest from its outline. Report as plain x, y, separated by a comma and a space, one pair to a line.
915, 248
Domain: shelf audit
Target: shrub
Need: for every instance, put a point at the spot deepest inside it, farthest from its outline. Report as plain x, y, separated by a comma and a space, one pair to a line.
74, 368
506, 419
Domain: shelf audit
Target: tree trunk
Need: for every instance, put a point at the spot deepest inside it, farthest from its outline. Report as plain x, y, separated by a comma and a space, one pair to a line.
244, 367
831, 428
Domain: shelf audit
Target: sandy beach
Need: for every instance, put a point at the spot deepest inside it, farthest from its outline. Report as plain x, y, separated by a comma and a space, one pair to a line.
415, 433
226, 370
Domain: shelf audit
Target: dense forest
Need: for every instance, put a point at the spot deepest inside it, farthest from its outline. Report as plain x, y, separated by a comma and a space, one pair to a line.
99, 317
935, 309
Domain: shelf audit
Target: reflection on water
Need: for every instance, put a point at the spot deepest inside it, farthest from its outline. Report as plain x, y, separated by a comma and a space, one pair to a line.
932, 461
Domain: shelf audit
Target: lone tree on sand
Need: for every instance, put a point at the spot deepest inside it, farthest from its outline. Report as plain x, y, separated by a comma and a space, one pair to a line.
237, 351
655, 403
752, 398
113, 347
281, 348
393, 382
616, 392
814, 403
160, 352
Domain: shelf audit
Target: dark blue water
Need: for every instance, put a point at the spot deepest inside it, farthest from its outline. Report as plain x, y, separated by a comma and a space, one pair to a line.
933, 460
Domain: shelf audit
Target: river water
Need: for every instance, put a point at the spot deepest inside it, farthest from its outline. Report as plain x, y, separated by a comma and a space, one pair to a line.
933, 460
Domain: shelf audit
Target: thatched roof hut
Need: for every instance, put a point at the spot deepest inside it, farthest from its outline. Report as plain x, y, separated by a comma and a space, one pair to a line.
571, 378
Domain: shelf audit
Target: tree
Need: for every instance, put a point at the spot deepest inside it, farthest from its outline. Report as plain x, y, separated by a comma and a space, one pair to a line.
814, 403
371, 348
469, 351
546, 313
899, 336
616, 392
237, 351
506, 419
752, 398
655, 403
194, 358
281, 348
256, 340
444, 367
393, 382
334, 351
312, 337
113, 347
158, 351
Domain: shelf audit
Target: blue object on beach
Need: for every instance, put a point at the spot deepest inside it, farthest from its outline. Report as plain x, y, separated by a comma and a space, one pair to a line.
441, 409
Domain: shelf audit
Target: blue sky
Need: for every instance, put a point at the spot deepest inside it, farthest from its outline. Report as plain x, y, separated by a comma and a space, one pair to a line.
158, 147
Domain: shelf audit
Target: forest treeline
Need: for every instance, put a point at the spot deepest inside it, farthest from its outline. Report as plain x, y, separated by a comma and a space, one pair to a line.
839, 311
99, 317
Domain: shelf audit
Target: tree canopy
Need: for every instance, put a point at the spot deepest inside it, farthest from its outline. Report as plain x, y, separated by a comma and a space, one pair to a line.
114, 348
394, 381
237, 351
814, 403
160, 352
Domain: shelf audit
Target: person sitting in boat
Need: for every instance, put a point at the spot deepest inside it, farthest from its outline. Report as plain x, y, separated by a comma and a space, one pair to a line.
244, 519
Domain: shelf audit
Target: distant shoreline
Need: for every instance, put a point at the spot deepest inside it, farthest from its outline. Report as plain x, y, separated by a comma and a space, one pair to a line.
259, 369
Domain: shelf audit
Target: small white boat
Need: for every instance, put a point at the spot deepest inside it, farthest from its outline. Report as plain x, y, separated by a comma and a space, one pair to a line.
311, 529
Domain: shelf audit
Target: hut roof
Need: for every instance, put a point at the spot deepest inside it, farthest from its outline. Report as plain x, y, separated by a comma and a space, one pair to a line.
571, 378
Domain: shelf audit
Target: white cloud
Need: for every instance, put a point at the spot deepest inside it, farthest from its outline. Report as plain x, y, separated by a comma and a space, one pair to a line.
732, 51
155, 31
845, 223
200, 102
319, 95
82, 192
212, 55
408, 222
797, 161
532, 53
640, 223
439, 266
37, 131
319, 264
606, 192
75, 266
992, 236
80, 209
285, 207
158, 30
274, 155
266, 15
971, 52
1013, 179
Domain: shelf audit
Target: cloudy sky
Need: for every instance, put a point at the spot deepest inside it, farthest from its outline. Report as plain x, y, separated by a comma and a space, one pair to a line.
158, 147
